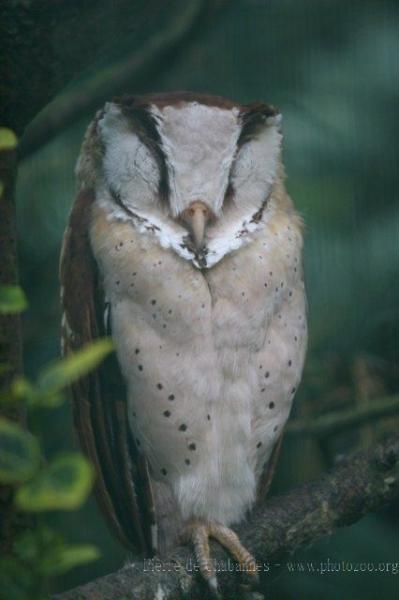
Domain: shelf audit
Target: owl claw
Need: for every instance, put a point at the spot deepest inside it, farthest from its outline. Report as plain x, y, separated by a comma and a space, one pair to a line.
199, 533
213, 586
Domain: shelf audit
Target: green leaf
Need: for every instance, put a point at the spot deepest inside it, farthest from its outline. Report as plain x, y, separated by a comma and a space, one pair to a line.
46, 552
22, 389
63, 485
12, 299
8, 139
45, 400
32, 544
26, 546
19, 453
67, 370
65, 558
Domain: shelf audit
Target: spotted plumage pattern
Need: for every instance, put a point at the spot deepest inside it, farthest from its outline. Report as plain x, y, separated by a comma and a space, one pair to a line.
185, 247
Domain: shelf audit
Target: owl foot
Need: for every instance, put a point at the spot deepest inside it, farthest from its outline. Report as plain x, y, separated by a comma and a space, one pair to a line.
199, 532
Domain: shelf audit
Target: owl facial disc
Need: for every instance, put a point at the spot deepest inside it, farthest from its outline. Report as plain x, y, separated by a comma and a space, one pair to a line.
195, 172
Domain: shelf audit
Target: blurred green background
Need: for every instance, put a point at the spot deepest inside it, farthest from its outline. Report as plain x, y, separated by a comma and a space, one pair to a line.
332, 69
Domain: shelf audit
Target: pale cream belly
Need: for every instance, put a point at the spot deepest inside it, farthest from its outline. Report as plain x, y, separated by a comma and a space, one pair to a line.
212, 360
212, 374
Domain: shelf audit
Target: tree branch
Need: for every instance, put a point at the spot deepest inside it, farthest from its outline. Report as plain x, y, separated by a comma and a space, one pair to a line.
114, 79
44, 45
336, 422
363, 483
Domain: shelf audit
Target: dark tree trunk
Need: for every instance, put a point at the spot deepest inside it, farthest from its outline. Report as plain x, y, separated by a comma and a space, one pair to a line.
10, 325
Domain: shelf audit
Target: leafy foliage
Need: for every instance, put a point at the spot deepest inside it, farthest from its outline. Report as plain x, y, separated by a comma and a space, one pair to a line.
19, 453
63, 483
64, 372
8, 139
12, 299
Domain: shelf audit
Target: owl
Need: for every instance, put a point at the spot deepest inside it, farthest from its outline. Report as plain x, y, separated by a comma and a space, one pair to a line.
184, 246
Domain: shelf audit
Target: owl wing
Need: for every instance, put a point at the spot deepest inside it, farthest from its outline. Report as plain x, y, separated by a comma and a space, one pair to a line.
122, 484
266, 478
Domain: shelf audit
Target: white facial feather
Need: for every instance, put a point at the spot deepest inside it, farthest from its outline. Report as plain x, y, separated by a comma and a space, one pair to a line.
199, 143
150, 222
254, 170
129, 167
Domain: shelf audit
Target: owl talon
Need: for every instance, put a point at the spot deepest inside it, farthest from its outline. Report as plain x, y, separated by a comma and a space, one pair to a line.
199, 533
213, 587
200, 539
229, 540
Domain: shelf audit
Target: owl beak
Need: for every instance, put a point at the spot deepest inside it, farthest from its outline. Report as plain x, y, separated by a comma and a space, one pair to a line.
196, 218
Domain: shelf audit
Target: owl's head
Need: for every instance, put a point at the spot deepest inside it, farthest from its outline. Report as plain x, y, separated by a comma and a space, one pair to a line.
195, 160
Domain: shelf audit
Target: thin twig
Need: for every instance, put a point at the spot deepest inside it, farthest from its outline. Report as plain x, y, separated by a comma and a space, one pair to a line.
113, 79
336, 422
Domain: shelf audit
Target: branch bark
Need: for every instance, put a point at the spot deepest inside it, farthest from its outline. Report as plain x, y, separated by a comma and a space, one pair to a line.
336, 422
363, 483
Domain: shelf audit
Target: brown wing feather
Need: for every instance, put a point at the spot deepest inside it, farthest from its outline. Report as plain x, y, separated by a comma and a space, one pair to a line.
266, 478
122, 486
